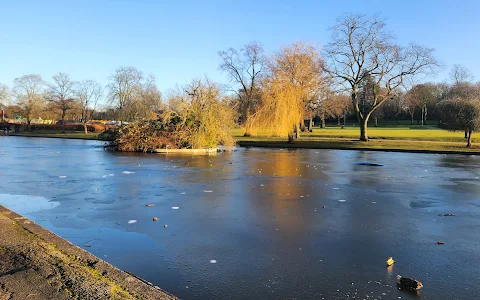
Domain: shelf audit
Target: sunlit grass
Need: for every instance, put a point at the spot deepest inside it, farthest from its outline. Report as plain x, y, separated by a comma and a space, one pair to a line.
59, 134
415, 133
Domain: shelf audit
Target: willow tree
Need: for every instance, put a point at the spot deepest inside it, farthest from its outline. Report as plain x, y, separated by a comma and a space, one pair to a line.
362, 47
294, 79
203, 117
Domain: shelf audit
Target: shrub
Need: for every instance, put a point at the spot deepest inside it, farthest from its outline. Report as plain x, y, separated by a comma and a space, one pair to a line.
196, 118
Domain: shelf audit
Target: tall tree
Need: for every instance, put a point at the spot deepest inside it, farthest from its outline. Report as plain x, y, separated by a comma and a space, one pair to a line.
4, 98
360, 48
423, 96
124, 89
294, 79
88, 93
245, 69
457, 114
4, 94
28, 91
148, 103
61, 94
337, 107
460, 74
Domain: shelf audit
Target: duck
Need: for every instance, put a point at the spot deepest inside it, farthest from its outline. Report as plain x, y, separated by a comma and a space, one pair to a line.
390, 261
409, 283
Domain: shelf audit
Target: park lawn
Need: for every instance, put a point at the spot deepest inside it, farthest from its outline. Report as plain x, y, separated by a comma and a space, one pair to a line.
59, 134
381, 145
402, 132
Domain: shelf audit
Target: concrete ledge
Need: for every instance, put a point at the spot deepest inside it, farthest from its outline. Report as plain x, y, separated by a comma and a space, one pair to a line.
32, 238
206, 151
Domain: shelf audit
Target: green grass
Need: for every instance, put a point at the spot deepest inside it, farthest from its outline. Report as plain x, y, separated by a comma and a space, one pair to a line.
59, 134
401, 132
393, 138
384, 145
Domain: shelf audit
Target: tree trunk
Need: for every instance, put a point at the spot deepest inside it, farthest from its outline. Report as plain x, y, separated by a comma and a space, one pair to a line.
290, 138
29, 126
63, 121
310, 124
363, 129
425, 116
376, 122
297, 130
411, 121
466, 134
469, 141
422, 116
247, 128
322, 117
344, 119
85, 127
302, 126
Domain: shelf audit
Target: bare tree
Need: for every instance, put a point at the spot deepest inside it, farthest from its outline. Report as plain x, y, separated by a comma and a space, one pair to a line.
124, 89
460, 74
362, 48
148, 103
61, 94
88, 93
422, 96
4, 94
28, 91
4, 98
337, 107
244, 68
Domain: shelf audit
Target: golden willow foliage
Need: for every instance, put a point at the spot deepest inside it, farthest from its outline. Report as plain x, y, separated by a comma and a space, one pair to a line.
197, 117
294, 81
201, 104
280, 110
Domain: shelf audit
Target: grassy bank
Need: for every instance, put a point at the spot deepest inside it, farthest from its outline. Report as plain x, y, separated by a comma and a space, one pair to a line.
59, 134
392, 138
378, 145
401, 132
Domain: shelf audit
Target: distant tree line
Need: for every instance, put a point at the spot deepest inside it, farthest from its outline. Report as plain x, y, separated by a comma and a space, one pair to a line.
361, 73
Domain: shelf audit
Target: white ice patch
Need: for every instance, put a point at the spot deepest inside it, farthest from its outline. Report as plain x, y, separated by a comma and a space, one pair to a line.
213, 261
62, 176
25, 204
182, 193
342, 200
132, 221
128, 172
175, 207
207, 191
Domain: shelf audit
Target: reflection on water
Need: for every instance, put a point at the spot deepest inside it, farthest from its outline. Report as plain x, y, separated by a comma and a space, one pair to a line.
270, 219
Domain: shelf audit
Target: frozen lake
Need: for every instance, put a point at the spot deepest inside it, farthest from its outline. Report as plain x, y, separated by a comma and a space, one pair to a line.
251, 224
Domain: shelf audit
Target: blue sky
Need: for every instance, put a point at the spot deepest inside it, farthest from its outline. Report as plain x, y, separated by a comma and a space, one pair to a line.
178, 40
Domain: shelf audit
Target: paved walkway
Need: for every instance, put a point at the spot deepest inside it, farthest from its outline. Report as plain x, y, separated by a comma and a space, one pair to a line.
37, 264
